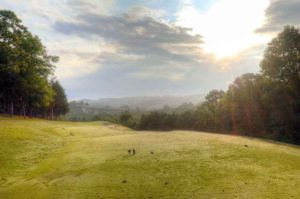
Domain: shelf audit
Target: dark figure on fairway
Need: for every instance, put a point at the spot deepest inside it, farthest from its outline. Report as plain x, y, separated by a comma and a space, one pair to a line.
133, 151
129, 151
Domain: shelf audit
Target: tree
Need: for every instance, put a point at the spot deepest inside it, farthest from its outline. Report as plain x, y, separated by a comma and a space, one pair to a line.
245, 104
126, 118
39, 94
11, 36
25, 67
186, 120
281, 64
59, 105
281, 60
214, 96
207, 112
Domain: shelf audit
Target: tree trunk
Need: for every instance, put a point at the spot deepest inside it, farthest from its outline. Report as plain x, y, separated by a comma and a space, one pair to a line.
11, 108
24, 110
21, 106
4, 107
52, 113
31, 112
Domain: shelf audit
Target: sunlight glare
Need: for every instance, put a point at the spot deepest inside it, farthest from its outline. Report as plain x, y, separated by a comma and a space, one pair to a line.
228, 26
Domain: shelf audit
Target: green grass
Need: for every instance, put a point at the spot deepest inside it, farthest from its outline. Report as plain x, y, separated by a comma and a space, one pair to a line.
40, 159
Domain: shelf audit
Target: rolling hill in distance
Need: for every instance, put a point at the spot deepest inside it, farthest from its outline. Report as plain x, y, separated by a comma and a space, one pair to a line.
146, 102
88, 108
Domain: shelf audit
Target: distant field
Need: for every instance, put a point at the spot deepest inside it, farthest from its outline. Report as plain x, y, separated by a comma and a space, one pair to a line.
43, 159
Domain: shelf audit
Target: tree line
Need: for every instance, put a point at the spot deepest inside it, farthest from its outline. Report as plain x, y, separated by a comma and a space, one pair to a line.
27, 83
263, 105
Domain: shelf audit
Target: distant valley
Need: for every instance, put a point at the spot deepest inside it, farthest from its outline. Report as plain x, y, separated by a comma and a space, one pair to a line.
88, 108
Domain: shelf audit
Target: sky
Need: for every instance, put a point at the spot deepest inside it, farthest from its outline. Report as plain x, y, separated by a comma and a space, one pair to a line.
118, 48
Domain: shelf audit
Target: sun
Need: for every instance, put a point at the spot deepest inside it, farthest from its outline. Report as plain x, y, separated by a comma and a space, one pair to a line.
228, 26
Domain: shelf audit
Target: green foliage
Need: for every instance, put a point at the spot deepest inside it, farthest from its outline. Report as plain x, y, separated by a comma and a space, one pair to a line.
282, 60
60, 102
152, 121
25, 70
127, 119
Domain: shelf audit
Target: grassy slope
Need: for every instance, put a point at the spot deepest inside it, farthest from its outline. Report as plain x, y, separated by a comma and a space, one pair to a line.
39, 159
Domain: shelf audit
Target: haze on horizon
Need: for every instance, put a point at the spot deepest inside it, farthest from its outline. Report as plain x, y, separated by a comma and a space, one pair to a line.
117, 48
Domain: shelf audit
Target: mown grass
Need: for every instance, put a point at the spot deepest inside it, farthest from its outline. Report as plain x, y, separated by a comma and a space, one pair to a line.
43, 159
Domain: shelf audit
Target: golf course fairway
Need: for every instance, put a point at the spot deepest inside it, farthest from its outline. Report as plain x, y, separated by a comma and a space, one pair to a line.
46, 159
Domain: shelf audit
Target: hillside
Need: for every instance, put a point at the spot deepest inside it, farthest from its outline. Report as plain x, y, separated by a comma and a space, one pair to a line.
44, 159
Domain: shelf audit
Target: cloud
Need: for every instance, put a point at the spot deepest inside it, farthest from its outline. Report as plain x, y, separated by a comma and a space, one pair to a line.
279, 14
141, 11
140, 40
91, 6
137, 33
